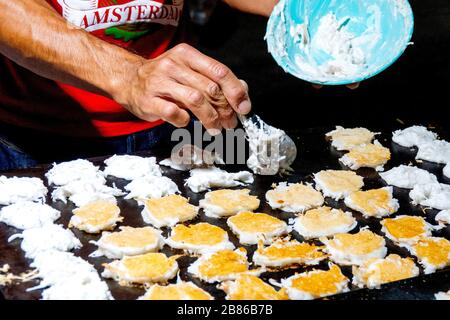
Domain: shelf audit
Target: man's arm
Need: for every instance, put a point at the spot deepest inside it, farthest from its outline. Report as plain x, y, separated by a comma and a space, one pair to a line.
33, 35
261, 7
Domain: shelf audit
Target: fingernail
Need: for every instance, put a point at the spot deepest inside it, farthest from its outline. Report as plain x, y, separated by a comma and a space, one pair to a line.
353, 86
213, 131
244, 84
244, 107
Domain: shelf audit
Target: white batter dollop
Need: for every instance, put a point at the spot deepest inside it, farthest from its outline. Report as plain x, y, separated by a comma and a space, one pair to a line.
57, 266
264, 143
131, 167
437, 151
68, 277
203, 179
151, 187
348, 58
47, 237
27, 214
414, 136
407, 177
82, 192
442, 295
443, 217
66, 172
73, 289
446, 170
434, 195
16, 189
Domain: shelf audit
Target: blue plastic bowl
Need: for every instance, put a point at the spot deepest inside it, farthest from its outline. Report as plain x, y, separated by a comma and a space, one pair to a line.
380, 30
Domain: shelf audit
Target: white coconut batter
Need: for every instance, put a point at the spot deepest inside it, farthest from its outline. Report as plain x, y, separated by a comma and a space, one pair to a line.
151, 187
206, 178
66, 172
264, 147
442, 295
414, 136
443, 217
446, 170
57, 268
47, 237
82, 192
27, 215
437, 151
16, 189
434, 195
73, 289
407, 177
131, 167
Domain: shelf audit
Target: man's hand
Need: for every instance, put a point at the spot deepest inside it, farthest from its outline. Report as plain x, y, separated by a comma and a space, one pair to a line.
181, 80
167, 87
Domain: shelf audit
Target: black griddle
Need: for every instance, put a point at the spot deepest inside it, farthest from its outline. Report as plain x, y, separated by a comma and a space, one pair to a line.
315, 154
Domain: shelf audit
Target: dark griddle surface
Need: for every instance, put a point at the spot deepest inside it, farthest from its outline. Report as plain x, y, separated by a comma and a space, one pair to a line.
315, 154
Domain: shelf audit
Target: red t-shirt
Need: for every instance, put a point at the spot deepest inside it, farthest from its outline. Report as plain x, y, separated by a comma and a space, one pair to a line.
144, 27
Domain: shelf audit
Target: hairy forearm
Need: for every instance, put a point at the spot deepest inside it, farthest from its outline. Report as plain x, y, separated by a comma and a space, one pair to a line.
260, 7
33, 35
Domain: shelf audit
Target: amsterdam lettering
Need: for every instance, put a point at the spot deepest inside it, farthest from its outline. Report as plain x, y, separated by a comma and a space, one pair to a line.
89, 17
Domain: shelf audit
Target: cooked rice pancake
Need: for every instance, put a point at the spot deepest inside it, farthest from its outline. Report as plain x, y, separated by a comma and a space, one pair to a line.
324, 222
433, 253
367, 156
283, 253
295, 197
376, 203
347, 139
179, 291
251, 227
168, 211
227, 202
222, 265
199, 238
128, 241
316, 284
355, 249
406, 229
96, 216
146, 268
338, 184
375, 272
249, 287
